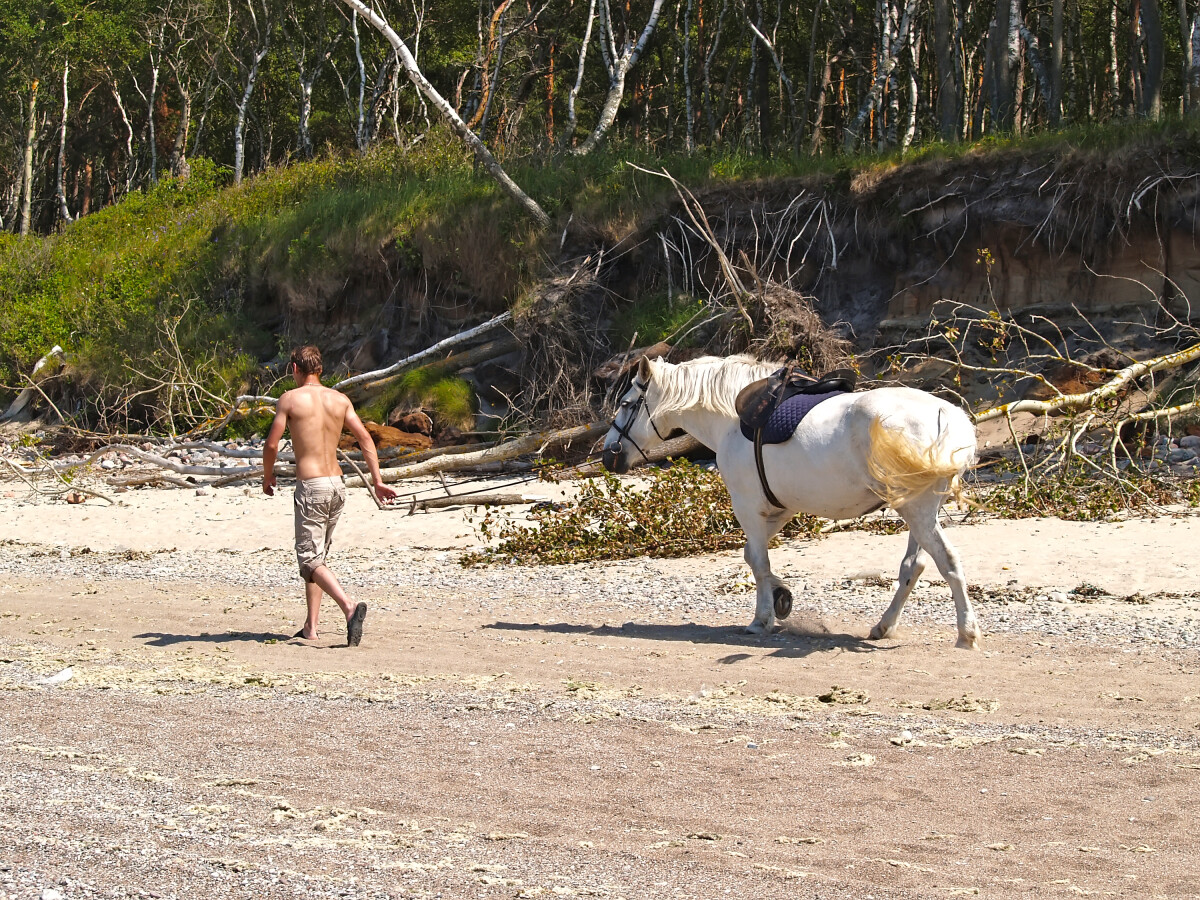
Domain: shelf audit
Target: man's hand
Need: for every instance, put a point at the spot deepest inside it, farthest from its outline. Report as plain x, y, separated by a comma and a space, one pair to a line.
384, 493
269, 485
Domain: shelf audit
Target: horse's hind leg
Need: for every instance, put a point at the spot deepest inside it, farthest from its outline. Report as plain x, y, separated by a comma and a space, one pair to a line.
921, 516
911, 568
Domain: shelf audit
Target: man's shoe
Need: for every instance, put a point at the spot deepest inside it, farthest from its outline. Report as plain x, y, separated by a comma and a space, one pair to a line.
354, 625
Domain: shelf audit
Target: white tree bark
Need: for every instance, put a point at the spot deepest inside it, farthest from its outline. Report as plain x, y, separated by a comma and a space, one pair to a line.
27, 160
618, 70
361, 120
482, 154
60, 180
783, 76
47, 365
574, 93
886, 66
259, 54
155, 36
410, 361
131, 162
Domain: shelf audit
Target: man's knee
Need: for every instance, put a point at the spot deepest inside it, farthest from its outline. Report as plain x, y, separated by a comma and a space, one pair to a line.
308, 568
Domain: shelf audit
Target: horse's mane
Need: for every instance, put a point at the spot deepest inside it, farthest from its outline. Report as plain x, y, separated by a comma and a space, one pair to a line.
710, 382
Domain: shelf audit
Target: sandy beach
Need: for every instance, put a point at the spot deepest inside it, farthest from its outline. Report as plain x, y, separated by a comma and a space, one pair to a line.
588, 730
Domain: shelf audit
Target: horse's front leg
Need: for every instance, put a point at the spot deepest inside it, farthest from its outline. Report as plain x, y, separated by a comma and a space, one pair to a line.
770, 593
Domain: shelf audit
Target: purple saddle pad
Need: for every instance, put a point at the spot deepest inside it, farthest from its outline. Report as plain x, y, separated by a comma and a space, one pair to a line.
786, 418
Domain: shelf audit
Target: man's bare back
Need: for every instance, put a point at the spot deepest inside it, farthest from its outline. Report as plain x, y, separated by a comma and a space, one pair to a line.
316, 415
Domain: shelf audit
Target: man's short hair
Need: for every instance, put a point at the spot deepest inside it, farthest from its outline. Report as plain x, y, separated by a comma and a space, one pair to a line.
308, 360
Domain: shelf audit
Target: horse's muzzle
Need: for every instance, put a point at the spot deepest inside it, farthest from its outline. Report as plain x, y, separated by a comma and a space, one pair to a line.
613, 459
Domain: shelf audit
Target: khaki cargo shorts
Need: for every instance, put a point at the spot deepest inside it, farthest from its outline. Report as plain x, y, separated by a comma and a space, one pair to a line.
318, 503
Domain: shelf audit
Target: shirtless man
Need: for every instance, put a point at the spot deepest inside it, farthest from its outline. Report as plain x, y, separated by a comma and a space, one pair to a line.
316, 415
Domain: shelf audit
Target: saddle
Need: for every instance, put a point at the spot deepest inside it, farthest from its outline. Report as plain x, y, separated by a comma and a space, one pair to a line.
761, 403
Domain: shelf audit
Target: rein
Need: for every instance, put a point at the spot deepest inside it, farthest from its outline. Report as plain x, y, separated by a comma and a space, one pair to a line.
623, 431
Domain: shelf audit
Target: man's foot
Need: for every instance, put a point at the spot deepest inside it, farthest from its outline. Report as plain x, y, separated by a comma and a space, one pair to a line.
354, 625
301, 635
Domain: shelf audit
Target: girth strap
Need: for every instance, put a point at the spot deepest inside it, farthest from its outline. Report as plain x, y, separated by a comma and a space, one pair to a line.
762, 472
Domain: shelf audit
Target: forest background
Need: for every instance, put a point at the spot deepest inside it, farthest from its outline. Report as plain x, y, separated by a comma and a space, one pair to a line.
127, 131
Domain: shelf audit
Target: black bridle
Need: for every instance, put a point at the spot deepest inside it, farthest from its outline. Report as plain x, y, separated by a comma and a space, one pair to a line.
634, 407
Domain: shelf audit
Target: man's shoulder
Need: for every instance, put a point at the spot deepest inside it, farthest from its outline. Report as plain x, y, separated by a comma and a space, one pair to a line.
287, 398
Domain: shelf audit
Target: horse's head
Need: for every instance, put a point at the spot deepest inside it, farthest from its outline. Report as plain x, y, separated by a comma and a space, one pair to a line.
633, 431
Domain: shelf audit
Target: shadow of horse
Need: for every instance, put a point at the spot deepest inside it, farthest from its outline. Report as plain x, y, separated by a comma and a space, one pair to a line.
797, 639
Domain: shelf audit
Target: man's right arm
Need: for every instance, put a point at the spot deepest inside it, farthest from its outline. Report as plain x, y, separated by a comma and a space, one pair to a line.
356, 427
271, 447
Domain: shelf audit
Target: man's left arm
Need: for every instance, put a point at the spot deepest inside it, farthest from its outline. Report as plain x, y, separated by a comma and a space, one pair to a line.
356, 427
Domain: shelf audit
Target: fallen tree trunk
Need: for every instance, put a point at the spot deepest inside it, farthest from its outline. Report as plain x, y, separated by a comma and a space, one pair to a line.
468, 500
409, 361
453, 363
172, 465
672, 449
535, 443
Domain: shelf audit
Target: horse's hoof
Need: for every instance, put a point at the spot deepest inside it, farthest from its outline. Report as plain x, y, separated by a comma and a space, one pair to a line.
756, 628
783, 602
878, 633
971, 643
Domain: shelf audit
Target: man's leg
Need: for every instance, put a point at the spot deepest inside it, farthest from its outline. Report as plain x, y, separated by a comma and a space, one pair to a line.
355, 613
324, 580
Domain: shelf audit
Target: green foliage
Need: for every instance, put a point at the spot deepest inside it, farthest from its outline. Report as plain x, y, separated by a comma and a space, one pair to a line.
653, 319
448, 400
682, 510
102, 287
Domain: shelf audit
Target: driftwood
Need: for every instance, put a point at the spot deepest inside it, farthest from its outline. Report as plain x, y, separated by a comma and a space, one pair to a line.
222, 475
467, 500
410, 361
162, 462
66, 487
359, 386
1092, 399
672, 449
454, 362
535, 443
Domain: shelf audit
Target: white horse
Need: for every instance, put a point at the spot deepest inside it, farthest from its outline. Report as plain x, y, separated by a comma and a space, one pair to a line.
853, 453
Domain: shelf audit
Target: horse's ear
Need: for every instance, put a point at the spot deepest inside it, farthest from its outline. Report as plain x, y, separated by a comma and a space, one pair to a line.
644, 369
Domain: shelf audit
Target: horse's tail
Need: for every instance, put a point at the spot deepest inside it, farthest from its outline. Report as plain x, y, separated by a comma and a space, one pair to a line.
905, 469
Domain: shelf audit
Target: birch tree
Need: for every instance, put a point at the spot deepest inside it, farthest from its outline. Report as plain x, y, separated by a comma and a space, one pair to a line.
256, 27
617, 63
468, 137
311, 42
60, 178
887, 65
